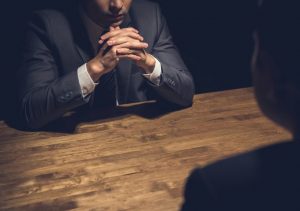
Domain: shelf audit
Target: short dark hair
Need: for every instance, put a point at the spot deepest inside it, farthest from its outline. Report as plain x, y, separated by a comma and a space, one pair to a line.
278, 27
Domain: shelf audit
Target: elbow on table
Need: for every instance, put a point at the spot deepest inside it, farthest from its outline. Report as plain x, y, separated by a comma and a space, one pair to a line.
188, 97
183, 100
187, 101
29, 116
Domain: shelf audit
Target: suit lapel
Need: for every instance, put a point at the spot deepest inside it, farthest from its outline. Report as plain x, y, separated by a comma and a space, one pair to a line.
81, 38
85, 56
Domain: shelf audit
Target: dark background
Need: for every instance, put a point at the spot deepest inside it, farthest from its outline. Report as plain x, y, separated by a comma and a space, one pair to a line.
214, 38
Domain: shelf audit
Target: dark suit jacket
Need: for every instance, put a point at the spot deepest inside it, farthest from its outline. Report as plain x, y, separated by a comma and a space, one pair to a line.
57, 44
266, 179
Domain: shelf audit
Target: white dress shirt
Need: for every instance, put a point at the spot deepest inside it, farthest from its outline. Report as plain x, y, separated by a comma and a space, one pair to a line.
86, 82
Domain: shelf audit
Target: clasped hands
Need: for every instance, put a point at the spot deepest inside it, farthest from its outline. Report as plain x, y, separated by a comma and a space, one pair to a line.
118, 44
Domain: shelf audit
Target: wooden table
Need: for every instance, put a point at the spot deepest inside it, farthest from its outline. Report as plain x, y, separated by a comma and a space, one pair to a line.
135, 158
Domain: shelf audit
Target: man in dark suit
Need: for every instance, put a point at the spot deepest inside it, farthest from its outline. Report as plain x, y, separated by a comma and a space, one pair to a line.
99, 53
268, 178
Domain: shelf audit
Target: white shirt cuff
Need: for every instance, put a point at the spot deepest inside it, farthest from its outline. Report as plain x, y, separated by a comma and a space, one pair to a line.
86, 83
155, 76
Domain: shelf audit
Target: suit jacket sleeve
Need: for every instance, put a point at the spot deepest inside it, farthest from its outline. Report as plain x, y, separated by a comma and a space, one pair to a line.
177, 85
44, 95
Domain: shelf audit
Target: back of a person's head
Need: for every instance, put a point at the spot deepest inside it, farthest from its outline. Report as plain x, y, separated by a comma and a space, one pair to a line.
278, 53
279, 33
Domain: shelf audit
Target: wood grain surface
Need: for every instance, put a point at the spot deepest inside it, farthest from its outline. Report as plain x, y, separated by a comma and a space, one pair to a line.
135, 157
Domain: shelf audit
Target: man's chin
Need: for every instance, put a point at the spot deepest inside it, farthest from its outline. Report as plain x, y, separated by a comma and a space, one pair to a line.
116, 24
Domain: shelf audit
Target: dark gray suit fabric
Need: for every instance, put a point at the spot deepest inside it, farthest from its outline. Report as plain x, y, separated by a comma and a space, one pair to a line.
262, 180
57, 44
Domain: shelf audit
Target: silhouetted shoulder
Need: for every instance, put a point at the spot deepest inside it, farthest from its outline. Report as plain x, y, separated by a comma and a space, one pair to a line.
250, 167
263, 179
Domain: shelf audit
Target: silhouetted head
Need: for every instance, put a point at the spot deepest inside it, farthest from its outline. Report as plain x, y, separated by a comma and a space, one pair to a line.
107, 12
276, 62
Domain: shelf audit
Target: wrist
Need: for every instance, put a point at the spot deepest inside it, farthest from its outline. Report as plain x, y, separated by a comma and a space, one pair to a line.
95, 69
149, 64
